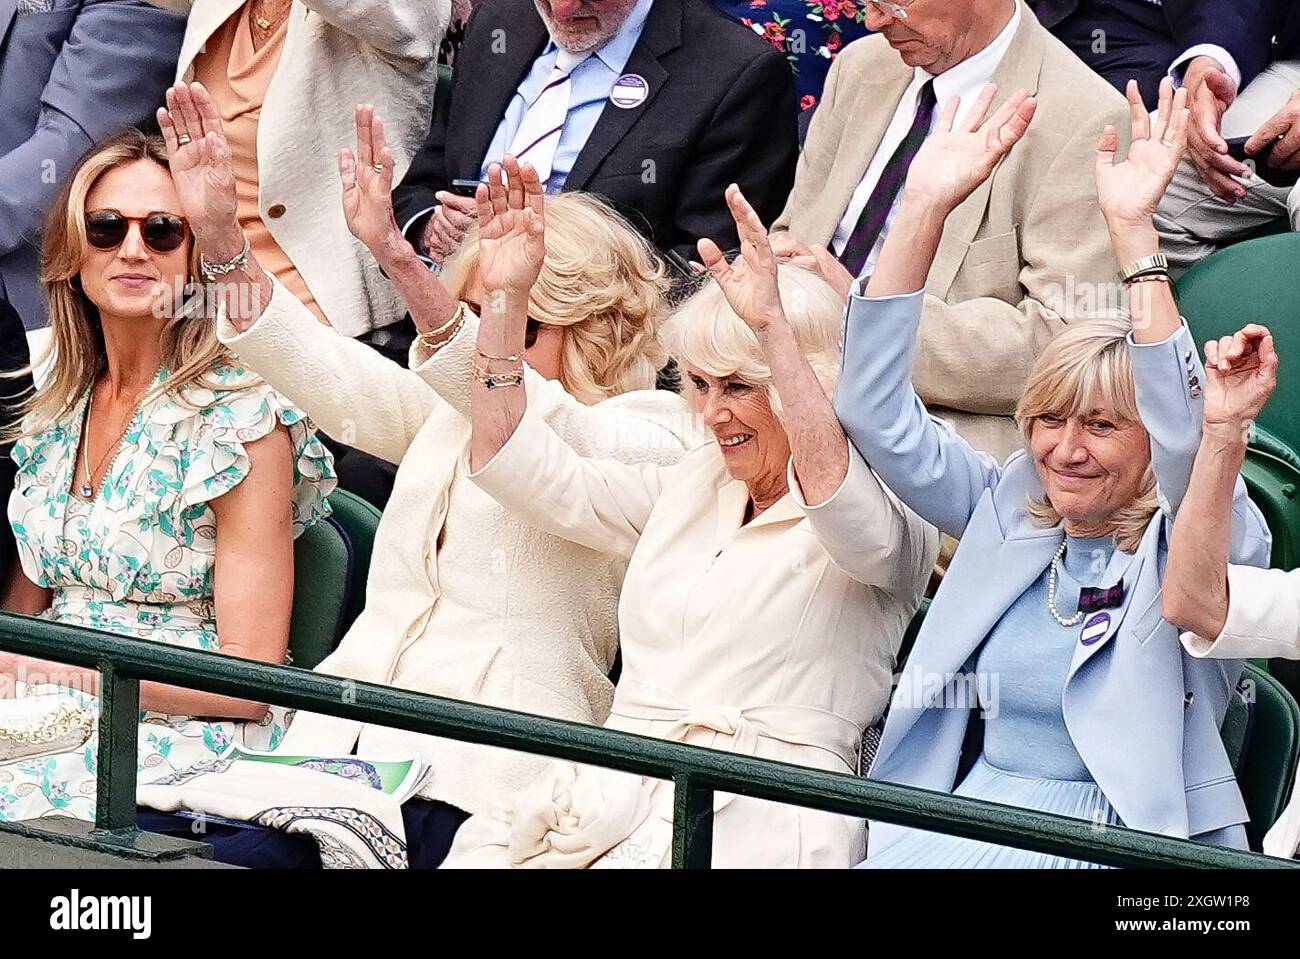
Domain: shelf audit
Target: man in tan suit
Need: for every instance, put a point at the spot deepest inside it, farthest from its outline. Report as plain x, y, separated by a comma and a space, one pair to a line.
1026, 253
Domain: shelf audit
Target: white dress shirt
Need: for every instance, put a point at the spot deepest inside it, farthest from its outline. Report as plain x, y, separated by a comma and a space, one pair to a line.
965, 80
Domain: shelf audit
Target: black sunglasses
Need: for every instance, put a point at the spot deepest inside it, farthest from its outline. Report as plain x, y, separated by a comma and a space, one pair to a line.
162, 232
530, 331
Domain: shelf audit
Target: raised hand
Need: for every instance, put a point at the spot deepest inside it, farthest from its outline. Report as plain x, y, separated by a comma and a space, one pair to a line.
750, 286
201, 167
953, 162
367, 179
1129, 192
816, 258
512, 229
1240, 375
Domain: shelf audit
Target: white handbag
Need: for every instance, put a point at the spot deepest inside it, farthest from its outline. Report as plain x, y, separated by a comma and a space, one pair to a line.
32, 726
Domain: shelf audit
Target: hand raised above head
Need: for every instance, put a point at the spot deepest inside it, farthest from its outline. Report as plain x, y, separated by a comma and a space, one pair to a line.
1240, 374
956, 158
512, 228
1129, 192
201, 165
749, 283
367, 178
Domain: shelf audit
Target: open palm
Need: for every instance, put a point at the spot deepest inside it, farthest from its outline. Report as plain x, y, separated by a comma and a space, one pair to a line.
512, 228
749, 283
367, 178
199, 157
955, 159
1130, 192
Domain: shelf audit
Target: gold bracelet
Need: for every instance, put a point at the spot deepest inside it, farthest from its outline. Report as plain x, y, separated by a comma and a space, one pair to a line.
1148, 278
499, 379
457, 320
512, 358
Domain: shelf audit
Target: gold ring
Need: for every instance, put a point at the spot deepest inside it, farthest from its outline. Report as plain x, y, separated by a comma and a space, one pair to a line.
183, 139
379, 167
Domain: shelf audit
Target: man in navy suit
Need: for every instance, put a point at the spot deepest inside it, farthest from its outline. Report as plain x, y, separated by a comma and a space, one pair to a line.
71, 72
1214, 198
1146, 39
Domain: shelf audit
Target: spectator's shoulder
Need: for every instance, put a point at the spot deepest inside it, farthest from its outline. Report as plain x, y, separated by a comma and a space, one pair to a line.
1072, 91
726, 42
497, 14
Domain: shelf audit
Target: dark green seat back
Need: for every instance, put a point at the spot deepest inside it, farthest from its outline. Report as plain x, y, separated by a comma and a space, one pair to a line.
359, 520
1267, 768
321, 580
1253, 282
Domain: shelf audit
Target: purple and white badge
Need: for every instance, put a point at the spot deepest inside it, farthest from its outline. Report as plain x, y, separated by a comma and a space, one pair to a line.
629, 91
1095, 628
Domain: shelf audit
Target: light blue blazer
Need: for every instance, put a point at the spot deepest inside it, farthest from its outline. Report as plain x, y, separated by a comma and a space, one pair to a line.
1144, 716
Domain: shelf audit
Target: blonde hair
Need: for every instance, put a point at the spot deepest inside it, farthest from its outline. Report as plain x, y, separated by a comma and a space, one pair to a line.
190, 349
1085, 366
601, 281
707, 334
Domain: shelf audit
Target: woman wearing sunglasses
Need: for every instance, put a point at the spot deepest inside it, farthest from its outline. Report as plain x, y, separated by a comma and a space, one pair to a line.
160, 485
463, 600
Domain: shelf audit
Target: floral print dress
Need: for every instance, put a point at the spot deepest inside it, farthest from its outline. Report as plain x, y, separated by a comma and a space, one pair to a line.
137, 559
810, 33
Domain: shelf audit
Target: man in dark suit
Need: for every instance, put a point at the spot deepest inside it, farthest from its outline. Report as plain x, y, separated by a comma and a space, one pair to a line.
1144, 40
1215, 199
668, 103
71, 72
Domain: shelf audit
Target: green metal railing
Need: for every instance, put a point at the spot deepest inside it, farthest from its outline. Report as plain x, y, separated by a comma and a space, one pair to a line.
697, 773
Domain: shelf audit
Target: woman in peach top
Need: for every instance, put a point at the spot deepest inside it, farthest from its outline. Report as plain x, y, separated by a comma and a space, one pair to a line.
286, 75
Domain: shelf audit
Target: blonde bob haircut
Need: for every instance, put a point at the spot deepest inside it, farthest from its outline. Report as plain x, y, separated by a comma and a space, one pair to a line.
601, 281
706, 333
190, 348
1085, 367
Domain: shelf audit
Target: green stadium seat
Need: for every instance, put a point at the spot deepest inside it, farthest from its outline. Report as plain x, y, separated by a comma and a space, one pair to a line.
321, 580
1253, 282
1274, 486
1270, 752
359, 520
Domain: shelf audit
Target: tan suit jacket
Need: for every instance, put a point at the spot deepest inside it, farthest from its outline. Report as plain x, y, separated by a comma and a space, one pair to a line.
1024, 255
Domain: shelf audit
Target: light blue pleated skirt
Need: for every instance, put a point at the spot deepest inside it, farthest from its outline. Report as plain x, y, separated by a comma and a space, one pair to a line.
918, 849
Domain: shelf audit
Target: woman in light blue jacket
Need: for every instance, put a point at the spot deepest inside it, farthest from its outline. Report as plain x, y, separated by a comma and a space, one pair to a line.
1049, 617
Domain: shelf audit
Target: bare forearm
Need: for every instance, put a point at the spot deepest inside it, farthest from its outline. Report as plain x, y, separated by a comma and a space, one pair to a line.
495, 413
909, 250
156, 697
426, 298
1196, 577
818, 445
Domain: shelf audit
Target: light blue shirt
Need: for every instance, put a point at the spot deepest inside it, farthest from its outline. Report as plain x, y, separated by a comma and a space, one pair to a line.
592, 80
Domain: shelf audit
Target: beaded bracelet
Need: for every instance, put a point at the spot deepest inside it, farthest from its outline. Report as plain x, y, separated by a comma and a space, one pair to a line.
499, 379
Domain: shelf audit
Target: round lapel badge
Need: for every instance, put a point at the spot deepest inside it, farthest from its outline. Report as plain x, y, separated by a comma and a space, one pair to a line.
1095, 628
629, 91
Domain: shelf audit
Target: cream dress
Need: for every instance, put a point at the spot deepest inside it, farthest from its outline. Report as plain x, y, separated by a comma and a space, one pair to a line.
774, 638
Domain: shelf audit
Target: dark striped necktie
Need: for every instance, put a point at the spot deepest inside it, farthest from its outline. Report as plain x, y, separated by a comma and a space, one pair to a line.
876, 213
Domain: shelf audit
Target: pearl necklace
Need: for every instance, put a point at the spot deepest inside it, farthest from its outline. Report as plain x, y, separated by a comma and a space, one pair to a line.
1051, 592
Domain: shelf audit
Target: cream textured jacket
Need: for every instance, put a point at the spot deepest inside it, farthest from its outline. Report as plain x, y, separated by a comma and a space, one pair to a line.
1025, 254
1263, 623
774, 637
463, 599
337, 53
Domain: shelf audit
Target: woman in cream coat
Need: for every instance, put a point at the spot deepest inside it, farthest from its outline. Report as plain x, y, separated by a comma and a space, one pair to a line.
772, 576
332, 54
464, 600
1246, 612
